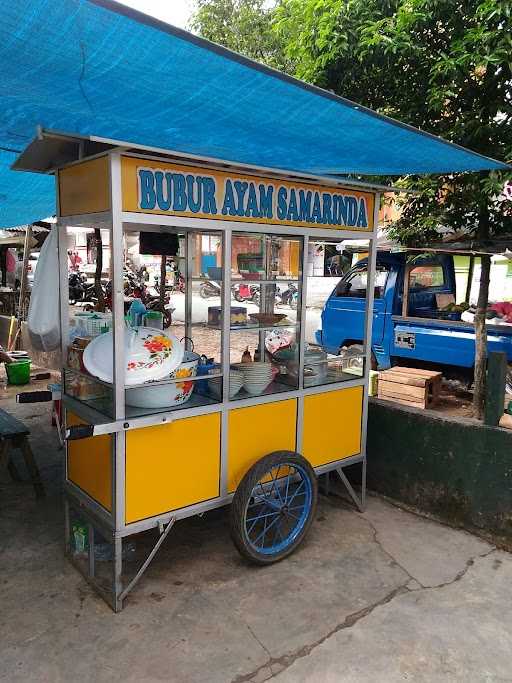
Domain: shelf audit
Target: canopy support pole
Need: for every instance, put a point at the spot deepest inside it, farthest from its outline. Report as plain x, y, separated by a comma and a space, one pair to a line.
471, 271
405, 296
23, 286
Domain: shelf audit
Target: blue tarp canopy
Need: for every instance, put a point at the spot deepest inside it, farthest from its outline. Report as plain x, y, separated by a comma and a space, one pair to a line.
96, 68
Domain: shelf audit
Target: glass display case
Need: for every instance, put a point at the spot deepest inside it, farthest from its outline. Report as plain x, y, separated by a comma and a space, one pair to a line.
266, 286
85, 271
274, 341
198, 379
335, 311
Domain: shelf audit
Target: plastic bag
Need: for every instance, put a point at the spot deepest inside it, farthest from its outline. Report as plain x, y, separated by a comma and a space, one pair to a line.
43, 318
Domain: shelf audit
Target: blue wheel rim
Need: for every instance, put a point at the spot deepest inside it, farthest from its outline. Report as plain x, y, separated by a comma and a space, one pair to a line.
278, 508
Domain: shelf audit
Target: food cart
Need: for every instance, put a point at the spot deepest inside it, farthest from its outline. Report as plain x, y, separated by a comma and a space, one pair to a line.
256, 436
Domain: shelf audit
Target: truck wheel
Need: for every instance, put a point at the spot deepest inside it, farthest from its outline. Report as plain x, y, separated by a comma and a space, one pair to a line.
273, 507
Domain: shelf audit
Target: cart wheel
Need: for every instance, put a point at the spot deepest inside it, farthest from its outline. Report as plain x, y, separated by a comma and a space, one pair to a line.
273, 507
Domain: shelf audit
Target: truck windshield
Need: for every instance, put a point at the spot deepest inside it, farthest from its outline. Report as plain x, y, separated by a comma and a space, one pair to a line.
355, 283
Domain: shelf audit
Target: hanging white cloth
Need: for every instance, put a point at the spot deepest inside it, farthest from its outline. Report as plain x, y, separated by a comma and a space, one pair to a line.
43, 318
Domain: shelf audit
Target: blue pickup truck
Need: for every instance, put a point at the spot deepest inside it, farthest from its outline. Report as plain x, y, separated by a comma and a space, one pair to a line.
427, 333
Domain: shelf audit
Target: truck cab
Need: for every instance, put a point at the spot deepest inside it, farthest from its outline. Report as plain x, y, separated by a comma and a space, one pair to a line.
422, 329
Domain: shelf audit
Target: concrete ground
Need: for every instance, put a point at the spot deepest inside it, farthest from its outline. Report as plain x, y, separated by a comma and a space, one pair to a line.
383, 596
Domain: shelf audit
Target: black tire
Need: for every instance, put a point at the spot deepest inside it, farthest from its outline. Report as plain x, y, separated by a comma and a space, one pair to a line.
244, 495
167, 319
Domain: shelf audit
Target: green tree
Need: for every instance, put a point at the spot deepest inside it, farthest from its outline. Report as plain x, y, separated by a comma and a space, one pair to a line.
244, 26
445, 67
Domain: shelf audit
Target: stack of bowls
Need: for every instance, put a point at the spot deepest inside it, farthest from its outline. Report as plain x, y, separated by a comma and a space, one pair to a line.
236, 380
257, 376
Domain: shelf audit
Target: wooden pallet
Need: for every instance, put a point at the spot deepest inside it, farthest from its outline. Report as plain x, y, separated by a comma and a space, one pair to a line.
410, 386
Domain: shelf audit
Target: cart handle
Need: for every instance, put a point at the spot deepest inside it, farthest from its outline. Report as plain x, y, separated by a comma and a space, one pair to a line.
79, 432
34, 397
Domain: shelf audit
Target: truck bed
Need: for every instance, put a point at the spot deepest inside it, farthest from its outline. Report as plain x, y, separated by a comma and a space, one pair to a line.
450, 342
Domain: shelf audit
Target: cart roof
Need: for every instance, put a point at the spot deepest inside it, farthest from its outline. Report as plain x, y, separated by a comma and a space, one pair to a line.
97, 68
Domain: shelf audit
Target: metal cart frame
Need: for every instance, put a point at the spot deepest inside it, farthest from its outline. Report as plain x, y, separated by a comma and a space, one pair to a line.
111, 523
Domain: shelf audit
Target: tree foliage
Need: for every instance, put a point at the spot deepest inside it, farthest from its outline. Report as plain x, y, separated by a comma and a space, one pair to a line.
244, 26
444, 66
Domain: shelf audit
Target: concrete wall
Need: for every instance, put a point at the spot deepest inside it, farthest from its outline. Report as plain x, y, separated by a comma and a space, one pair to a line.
455, 468
50, 361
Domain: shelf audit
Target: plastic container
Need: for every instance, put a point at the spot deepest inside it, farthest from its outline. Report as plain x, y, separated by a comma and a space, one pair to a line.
80, 538
136, 312
154, 319
99, 324
18, 372
204, 368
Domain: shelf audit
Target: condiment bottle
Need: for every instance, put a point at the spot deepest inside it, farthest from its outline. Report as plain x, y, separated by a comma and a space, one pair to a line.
246, 356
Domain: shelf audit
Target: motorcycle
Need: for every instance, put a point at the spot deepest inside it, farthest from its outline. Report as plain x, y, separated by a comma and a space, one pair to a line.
178, 286
80, 289
137, 289
209, 289
290, 296
244, 292
179, 282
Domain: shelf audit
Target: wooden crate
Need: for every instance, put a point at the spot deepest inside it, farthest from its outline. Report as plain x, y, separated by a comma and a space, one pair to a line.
410, 386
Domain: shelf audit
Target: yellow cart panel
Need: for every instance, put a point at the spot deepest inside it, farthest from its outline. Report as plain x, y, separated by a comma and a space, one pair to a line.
171, 466
84, 188
332, 425
256, 431
90, 464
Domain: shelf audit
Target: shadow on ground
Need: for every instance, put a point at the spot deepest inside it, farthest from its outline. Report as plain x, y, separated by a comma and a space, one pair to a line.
382, 596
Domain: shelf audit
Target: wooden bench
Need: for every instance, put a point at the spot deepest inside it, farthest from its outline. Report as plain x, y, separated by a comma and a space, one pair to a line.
410, 386
14, 434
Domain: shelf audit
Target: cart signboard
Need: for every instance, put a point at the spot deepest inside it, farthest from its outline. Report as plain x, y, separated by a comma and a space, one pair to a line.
197, 192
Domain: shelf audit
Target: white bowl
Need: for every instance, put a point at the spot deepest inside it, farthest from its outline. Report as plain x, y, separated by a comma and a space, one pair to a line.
167, 395
150, 354
236, 380
264, 372
256, 388
257, 378
253, 367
